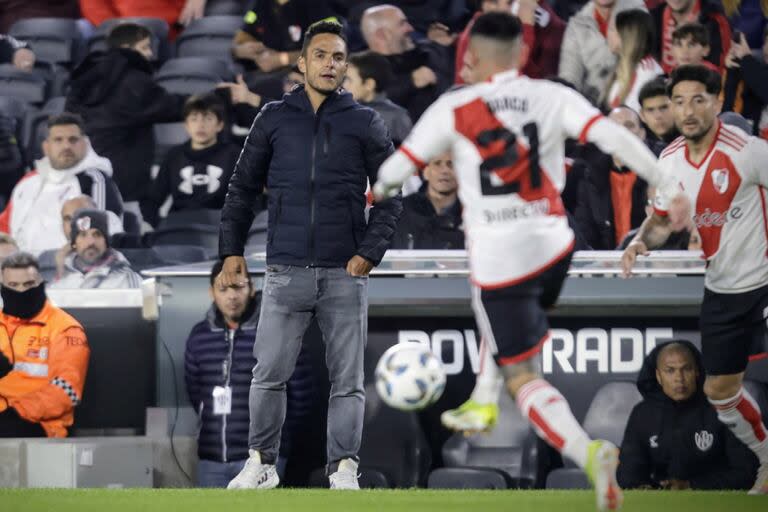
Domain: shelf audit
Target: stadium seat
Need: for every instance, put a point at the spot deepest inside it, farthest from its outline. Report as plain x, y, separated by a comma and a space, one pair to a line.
469, 478
759, 392
168, 135
209, 37
22, 85
17, 110
606, 418
226, 8
202, 216
511, 448
54, 40
159, 28
131, 223
257, 235
204, 236
193, 75
180, 254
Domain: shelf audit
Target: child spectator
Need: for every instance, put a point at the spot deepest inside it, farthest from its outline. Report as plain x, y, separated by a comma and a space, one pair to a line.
195, 174
690, 45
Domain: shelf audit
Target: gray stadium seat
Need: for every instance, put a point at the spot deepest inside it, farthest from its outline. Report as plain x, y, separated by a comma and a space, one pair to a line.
180, 254
193, 75
606, 418
225, 8
209, 37
158, 27
469, 478
204, 236
759, 392
202, 216
54, 40
511, 448
18, 110
168, 135
22, 85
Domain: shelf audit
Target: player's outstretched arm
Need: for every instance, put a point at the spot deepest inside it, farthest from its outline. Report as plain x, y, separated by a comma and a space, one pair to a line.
653, 232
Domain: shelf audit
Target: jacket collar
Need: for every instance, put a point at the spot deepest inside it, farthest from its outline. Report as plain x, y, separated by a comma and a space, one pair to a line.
41, 318
338, 100
251, 315
112, 261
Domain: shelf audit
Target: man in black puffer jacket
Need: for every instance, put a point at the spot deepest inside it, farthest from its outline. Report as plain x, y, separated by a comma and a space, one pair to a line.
217, 366
314, 151
673, 438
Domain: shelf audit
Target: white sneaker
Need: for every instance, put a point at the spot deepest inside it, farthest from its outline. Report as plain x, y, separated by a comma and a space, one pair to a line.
345, 477
761, 482
255, 475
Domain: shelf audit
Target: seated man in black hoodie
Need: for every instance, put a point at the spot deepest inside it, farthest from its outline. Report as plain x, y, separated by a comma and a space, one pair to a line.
115, 93
431, 217
195, 174
673, 438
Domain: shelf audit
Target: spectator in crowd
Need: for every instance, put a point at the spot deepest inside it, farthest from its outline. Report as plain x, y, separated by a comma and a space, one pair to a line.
422, 72
586, 61
673, 13
431, 217
116, 95
690, 45
14, 10
673, 439
611, 197
630, 36
218, 361
745, 84
92, 263
656, 112
368, 77
542, 32
750, 17
195, 174
320, 249
177, 13
18, 53
12, 164
70, 168
272, 31
43, 373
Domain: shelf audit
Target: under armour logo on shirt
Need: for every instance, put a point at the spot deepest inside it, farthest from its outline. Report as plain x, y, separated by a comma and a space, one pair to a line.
210, 179
704, 440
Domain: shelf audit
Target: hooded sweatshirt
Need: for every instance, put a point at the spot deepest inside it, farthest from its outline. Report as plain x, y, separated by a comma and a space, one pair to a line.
112, 271
33, 215
667, 440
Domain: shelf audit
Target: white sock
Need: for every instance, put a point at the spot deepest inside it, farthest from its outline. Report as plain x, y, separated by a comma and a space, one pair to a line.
489, 382
741, 414
552, 419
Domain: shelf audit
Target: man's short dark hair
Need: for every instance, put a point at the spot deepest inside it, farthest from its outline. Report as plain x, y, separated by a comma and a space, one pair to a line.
204, 103
374, 66
677, 346
696, 31
66, 118
127, 34
695, 73
652, 89
322, 27
497, 25
20, 260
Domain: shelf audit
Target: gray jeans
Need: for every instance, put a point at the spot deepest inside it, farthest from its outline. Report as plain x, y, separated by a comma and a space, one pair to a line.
292, 296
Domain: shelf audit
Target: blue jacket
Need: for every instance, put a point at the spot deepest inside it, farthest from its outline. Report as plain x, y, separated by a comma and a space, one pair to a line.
214, 356
316, 167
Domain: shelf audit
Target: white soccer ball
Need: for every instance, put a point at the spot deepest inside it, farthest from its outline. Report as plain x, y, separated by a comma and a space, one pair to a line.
409, 377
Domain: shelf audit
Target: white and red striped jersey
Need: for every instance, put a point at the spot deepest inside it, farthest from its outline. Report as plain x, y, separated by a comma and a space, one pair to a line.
727, 192
507, 136
645, 71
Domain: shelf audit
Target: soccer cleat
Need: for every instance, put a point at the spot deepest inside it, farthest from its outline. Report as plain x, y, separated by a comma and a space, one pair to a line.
761, 483
471, 417
345, 477
602, 460
255, 475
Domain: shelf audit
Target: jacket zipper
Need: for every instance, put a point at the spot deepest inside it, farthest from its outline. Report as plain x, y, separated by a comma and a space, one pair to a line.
312, 186
228, 374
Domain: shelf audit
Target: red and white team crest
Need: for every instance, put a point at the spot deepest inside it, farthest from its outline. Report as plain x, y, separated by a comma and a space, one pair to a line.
720, 180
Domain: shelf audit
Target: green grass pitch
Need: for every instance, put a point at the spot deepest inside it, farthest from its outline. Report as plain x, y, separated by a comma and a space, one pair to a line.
293, 500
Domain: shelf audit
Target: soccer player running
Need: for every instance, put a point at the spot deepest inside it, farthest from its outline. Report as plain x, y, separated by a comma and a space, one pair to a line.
507, 134
723, 172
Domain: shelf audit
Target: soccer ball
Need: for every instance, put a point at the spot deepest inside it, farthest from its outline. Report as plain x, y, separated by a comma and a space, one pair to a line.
409, 377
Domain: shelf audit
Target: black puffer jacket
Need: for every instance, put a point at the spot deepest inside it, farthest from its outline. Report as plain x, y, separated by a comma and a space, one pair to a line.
667, 440
316, 167
207, 363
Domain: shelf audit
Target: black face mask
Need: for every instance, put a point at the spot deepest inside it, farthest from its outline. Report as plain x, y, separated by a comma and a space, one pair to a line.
25, 304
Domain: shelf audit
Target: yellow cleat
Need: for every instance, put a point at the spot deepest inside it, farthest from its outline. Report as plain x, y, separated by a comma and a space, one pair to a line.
602, 460
471, 417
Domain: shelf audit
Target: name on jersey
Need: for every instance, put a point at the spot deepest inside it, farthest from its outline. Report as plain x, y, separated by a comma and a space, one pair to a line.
508, 103
708, 218
537, 208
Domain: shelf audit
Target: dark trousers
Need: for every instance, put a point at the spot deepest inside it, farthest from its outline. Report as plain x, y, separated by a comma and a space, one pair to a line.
12, 425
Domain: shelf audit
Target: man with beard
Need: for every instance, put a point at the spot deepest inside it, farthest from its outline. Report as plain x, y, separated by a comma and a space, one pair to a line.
314, 151
92, 264
42, 373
